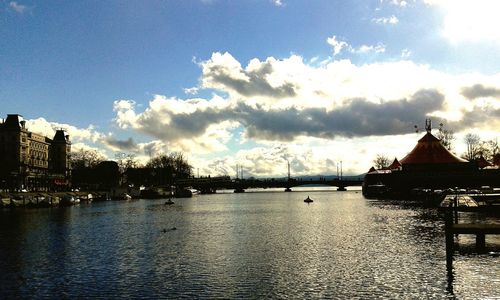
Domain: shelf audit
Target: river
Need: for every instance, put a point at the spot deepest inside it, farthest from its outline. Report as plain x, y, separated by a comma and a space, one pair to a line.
265, 244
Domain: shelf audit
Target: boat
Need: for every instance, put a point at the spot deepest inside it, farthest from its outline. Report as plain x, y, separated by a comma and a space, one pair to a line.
169, 202
67, 200
123, 196
308, 200
376, 190
101, 197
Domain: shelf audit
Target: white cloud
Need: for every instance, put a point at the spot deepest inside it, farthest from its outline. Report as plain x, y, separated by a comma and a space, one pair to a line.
317, 157
125, 115
405, 53
84, 138
465, 20
48, 129
392, 20
175, 123
379, 48
311, 114
401, 3
337, 45
312, 109
278, 2
76, 147
191, 91
19, 8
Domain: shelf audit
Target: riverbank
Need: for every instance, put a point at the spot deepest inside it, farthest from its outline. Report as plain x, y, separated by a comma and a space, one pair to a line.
48, 199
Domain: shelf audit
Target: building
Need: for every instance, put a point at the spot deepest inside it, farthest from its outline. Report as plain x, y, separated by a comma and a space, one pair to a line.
430, 154
31, 161
428, 166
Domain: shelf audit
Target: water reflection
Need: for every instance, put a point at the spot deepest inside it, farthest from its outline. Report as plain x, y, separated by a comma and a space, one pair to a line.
258, 245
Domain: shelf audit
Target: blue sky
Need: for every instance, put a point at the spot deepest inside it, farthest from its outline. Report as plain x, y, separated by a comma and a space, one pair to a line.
254, 82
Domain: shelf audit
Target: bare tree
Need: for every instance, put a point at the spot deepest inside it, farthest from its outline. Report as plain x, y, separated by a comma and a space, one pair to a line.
446, 137
126, 161
473, 143
488, 149
381, 161
85, 159
495, 147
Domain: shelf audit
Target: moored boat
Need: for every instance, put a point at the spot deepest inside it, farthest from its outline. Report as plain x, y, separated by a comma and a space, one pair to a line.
67, 200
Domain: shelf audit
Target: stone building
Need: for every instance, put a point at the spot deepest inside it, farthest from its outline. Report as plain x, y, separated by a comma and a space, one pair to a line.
31, 161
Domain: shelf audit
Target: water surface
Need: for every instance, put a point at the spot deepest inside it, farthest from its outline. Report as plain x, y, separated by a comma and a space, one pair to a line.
251, 245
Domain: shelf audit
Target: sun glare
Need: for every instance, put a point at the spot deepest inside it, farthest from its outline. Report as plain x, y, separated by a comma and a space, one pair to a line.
471, 20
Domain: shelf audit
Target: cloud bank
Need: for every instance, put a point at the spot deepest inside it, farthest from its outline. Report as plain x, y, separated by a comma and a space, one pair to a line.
282, 100
290, 110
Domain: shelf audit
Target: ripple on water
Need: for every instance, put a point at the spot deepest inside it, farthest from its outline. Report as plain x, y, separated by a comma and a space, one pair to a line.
253, 245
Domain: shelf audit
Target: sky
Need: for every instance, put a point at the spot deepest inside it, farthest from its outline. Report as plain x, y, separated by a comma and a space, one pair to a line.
254, 83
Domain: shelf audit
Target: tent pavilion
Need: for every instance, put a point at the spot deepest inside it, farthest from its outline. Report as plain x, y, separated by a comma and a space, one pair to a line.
428, 165
396, 165
429, 150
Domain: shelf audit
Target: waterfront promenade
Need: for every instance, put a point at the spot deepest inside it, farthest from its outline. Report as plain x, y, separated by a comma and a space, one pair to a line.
45, 199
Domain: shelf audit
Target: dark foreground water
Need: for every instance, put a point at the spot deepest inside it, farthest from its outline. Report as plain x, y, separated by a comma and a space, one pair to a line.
251, 245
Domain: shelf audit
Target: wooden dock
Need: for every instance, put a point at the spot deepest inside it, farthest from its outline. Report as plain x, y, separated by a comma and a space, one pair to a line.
452, 228
479, 230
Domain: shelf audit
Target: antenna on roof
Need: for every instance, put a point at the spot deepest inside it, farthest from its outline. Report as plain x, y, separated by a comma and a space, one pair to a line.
428, 125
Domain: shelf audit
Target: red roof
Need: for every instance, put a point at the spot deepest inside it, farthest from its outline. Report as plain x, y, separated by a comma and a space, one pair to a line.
395, 165
482, 162
429, 150
496, 159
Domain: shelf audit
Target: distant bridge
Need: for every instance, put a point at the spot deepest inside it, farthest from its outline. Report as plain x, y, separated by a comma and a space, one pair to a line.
208, 185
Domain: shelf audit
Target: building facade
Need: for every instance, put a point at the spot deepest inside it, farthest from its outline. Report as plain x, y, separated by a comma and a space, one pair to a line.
30, 161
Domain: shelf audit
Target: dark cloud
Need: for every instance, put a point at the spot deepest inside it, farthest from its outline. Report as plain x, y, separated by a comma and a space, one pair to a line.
122, 145
478, 116
479, 90
181, 125
359, 118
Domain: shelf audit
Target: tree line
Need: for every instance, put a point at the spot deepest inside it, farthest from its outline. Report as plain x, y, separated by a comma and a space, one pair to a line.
162, 169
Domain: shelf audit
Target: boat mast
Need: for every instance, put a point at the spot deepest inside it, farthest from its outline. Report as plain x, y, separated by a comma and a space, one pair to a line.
288, 163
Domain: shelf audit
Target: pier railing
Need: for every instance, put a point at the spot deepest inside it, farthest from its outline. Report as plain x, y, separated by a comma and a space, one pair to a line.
454, 228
